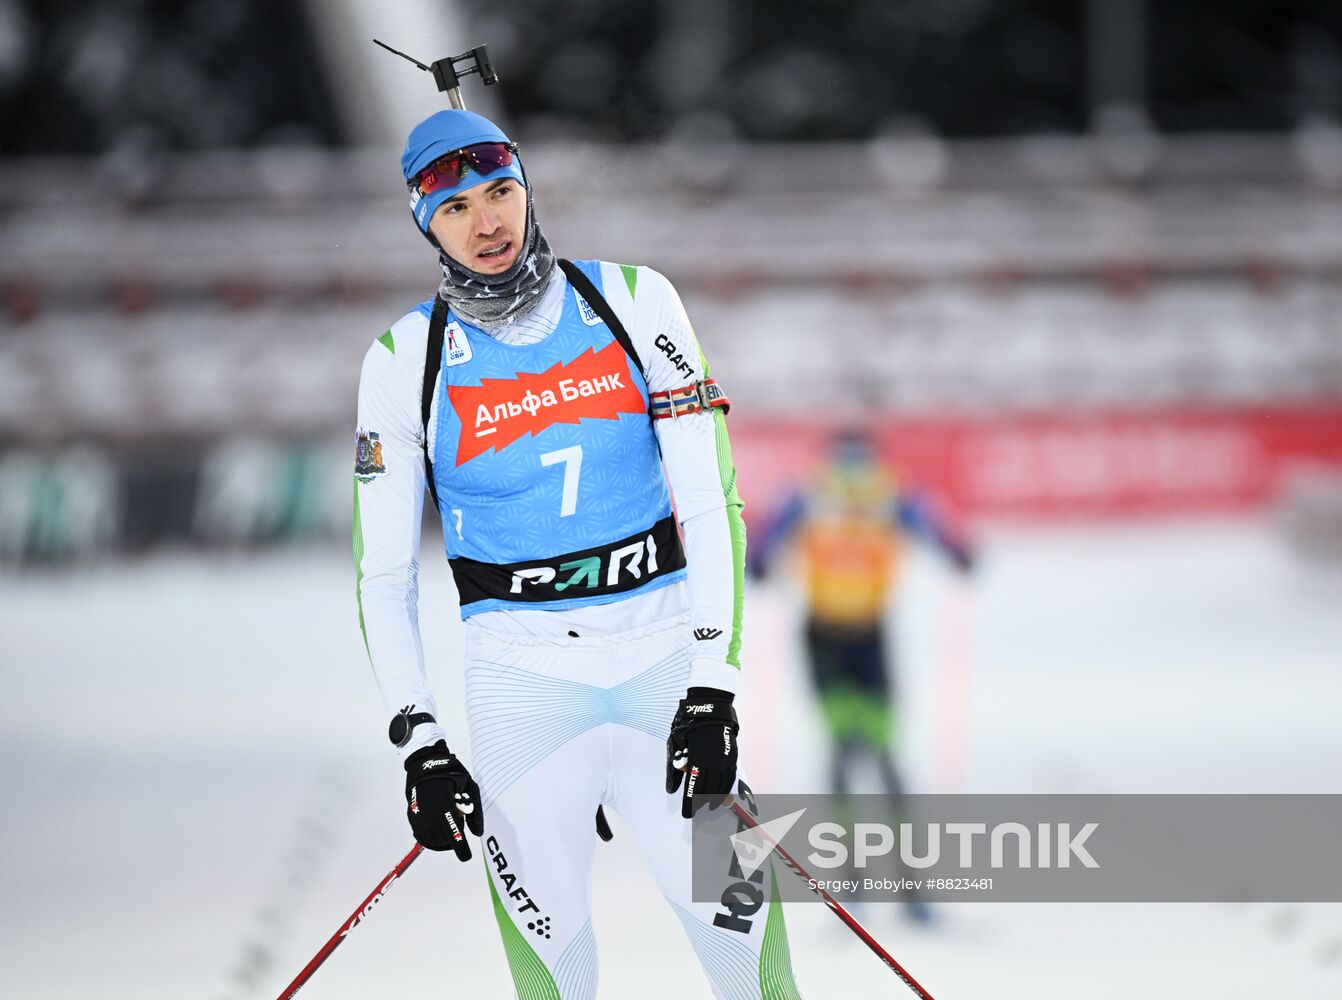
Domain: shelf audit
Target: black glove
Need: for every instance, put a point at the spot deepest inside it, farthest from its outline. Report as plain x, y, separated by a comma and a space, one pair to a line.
702, 747
442, 798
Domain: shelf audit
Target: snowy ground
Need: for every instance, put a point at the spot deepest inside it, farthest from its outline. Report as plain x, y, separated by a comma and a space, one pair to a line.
197, 788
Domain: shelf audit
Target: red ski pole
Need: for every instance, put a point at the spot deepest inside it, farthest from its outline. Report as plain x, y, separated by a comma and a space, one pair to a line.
833, 904
338, 937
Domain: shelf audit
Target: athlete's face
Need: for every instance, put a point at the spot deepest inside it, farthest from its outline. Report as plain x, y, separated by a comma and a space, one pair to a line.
483, 227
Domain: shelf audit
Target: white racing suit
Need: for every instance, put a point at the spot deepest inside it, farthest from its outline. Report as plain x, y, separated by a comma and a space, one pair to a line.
586, 617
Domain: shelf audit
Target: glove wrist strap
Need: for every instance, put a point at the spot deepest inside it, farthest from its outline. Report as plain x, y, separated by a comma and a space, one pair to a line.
697, 693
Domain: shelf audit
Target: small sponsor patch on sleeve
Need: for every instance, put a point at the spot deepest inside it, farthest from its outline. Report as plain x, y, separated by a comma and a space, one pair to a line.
368, 463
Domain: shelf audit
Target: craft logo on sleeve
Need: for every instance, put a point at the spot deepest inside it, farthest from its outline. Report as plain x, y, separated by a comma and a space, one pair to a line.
456, 346
368, 464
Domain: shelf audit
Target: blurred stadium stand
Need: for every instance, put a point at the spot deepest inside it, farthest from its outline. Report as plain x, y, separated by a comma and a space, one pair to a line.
1060, 282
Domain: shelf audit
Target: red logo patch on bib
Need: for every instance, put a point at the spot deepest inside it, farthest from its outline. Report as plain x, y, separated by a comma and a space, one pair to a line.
494, 414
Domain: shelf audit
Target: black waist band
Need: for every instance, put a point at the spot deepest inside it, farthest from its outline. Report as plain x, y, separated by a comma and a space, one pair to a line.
613, 568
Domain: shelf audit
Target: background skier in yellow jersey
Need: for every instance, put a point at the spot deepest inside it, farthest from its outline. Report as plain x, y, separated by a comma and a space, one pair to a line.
848, 526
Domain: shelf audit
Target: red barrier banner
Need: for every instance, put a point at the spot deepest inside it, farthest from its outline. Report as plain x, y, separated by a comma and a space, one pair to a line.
1100, 464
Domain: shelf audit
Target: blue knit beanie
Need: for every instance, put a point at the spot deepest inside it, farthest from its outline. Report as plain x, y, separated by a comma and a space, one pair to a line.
445, 132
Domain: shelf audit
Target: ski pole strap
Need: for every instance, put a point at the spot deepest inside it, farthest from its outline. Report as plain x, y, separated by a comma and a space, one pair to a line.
697, 397
433, 364
602, 308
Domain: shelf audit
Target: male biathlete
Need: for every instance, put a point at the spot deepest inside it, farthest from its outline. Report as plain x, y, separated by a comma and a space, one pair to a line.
602, 655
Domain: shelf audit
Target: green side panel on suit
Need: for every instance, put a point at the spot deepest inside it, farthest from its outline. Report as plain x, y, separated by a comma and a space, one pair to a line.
530, 976
776, 981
